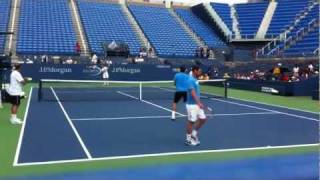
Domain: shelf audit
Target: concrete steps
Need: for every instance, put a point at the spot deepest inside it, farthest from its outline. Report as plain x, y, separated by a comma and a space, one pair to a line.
11, 40
264, 26
184, 25
77, 25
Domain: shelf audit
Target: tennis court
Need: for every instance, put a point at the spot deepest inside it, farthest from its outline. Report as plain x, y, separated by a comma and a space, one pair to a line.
71, 126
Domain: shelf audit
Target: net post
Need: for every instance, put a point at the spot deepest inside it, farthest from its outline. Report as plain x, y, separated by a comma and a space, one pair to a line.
40, 90
140, 91
225, 89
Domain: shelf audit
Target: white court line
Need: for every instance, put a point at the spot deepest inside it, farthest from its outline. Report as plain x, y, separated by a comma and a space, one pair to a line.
165, 154
264, 109
161, 107
242, 114
254, 107
120, 118
72, 126
16, 157
160, 117
278, 106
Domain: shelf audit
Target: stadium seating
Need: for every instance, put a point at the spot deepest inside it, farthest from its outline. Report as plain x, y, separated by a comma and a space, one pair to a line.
46, 27
224, 12
105, 22
284, 15
309, 43
163, 31
305, 46
313, 14
250, 17
200, 28
4, 19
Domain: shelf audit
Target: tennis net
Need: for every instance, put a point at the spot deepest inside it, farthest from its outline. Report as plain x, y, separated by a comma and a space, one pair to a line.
89, 90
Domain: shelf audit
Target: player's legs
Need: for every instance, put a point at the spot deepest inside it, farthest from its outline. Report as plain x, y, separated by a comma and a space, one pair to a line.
15, 101
176, 99
174, 109
192, 118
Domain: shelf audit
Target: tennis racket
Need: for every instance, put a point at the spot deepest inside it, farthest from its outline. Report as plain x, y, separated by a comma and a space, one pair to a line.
207, 109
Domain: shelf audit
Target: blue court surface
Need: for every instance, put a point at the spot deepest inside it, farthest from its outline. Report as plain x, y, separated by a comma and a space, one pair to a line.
71, 131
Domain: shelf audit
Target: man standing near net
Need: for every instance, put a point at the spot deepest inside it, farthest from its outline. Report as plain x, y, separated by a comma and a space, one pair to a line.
181, 83
105, 74
15, 93
195, 109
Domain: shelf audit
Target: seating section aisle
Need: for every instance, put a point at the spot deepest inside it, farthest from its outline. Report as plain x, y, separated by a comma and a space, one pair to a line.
45, 27
163, 31
106, 22
200, 28
224, 12
250, 17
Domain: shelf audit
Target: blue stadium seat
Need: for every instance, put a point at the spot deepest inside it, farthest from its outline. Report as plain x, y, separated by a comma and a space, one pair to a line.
45, 27
200, 28
285, 14
105, 22
164, 32
250, 17
4, 20
224, 12
306, 45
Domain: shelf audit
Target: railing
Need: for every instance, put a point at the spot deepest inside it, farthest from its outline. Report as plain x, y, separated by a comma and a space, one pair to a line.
275, 50
283, 36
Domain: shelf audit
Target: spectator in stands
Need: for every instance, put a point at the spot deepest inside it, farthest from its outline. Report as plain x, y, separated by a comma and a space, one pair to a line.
206, 77
296, 70
285, 77
29, 61
69, 60
277, 71
226, 76
143, 52
94, 59
310, 68
150, 52
78, 48
211, 54
44, 59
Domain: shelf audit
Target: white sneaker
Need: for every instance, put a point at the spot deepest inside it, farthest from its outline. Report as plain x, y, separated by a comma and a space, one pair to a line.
16, 121
196, 139
191, 142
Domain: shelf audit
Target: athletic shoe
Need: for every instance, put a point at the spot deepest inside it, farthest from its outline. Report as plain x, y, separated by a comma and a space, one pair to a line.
196, 139
191, 142
16, 121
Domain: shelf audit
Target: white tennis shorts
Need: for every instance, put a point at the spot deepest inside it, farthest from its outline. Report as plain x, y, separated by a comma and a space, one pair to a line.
195, 112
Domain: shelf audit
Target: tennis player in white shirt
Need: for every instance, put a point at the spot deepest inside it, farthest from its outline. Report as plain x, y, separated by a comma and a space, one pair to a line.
15, 93
105, 74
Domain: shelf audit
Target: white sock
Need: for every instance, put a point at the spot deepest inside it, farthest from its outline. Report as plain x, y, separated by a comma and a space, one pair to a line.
188, 136
173, 115
13, 116
194, 133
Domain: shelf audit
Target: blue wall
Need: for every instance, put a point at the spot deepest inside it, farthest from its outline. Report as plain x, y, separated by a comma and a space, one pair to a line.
130, 72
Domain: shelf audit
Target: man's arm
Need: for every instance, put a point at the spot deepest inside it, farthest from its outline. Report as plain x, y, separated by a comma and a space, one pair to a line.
20, 79
196, 98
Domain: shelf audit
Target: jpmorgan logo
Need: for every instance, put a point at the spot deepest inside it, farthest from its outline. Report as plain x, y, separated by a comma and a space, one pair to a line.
92, 70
